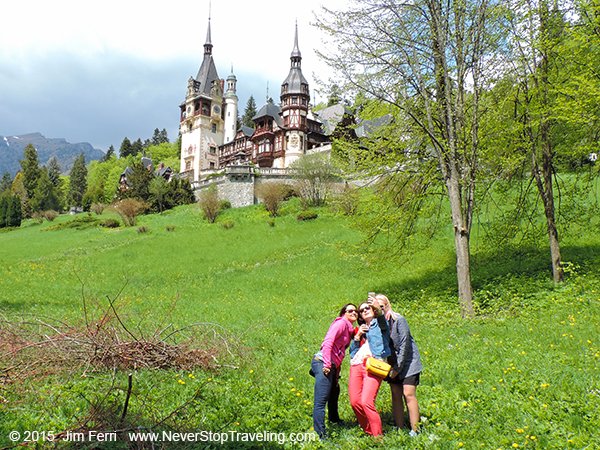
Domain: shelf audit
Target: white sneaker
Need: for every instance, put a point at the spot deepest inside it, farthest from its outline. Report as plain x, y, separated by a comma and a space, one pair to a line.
413, 433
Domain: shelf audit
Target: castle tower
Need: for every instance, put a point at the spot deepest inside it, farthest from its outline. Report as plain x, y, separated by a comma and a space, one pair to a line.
231, 109
201, 120
295, 98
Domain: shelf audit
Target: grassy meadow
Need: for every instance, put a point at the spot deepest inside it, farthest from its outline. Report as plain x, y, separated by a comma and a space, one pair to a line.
524, 374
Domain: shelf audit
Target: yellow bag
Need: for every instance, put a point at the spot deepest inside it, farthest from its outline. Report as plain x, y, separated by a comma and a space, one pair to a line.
377, 367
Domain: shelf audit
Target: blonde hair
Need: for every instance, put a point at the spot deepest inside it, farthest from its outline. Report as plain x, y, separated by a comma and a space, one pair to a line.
382, 297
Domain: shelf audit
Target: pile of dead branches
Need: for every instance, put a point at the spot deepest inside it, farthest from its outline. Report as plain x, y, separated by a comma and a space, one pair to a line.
40, 346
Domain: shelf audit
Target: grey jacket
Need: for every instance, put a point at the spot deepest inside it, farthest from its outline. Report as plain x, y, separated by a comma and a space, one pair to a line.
405, 356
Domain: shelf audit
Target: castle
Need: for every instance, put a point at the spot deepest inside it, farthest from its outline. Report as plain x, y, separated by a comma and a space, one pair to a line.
211, 141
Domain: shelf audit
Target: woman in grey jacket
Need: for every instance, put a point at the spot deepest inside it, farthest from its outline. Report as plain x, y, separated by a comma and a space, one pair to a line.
406, 367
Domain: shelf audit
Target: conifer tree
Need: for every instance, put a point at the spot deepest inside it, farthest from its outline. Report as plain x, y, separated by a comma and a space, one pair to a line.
137, 147
249, 113
159, 137
46, 196
31, 170
5, 183
3, 209
125, 149
13, 212
109, 154
139, 181
54, 171
164, 136
78, 183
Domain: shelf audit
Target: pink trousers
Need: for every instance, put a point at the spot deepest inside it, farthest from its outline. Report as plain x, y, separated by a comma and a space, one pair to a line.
362, 389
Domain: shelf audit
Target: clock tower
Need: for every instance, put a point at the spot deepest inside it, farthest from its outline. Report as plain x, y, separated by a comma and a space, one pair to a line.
201, 118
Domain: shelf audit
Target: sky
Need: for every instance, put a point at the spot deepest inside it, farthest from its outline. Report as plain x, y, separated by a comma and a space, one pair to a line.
100, 71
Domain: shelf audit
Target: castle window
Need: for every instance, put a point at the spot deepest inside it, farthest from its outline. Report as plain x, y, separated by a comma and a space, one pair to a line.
212, 149
212, 165
294, 100
188, 165
205, 109
213, 127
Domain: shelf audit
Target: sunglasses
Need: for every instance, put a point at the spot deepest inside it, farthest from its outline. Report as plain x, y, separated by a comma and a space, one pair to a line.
350, 311
362, 310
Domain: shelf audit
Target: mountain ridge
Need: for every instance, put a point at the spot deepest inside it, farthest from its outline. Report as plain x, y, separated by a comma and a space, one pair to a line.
12, 149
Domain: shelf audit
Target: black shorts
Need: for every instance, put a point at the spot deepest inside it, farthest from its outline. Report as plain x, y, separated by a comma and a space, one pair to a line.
413, 380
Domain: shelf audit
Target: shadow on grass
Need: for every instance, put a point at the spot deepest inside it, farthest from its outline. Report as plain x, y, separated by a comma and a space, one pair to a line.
494, 267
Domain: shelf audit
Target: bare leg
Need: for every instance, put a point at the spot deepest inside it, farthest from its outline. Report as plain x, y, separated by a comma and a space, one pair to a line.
410, 396
397, 404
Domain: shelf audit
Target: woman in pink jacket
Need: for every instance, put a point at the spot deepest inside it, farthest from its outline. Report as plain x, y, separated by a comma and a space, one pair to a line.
326, 365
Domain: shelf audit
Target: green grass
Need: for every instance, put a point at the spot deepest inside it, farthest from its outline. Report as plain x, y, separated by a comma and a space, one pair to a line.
524, 372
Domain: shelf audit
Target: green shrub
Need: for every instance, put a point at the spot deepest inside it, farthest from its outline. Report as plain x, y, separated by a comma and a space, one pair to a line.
97, 208
80, 222
129, 209
224, 204
228, 224
110, 223
307, 215
272, 195
209, 203
50, 215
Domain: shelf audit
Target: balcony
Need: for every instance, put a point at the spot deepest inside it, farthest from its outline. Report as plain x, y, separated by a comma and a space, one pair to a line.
265, 159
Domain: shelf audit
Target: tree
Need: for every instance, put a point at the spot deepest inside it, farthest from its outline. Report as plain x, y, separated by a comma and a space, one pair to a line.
78, 181
552, 98
159, 137
314, 175
46, 194
249, 113
158, 190
5, 182
54, 171
138, 182
3, 208
31, 170
125, 149
426, 59
180, 193
14, 213
109, 154
137, 148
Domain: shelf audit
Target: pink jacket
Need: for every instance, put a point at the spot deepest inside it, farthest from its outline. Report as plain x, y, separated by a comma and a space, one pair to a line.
337, 339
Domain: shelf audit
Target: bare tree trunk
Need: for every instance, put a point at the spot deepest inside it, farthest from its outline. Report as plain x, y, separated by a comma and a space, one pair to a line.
544, 185
462, 237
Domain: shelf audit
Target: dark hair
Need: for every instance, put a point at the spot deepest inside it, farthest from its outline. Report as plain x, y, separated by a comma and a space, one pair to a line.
343, 310
360, 319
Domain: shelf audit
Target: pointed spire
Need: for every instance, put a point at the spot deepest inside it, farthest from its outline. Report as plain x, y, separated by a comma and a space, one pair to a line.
296, 50
208, 45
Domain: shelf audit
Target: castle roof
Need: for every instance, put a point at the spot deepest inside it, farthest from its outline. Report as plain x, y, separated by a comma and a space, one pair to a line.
295, 78
271, 110
208, 72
